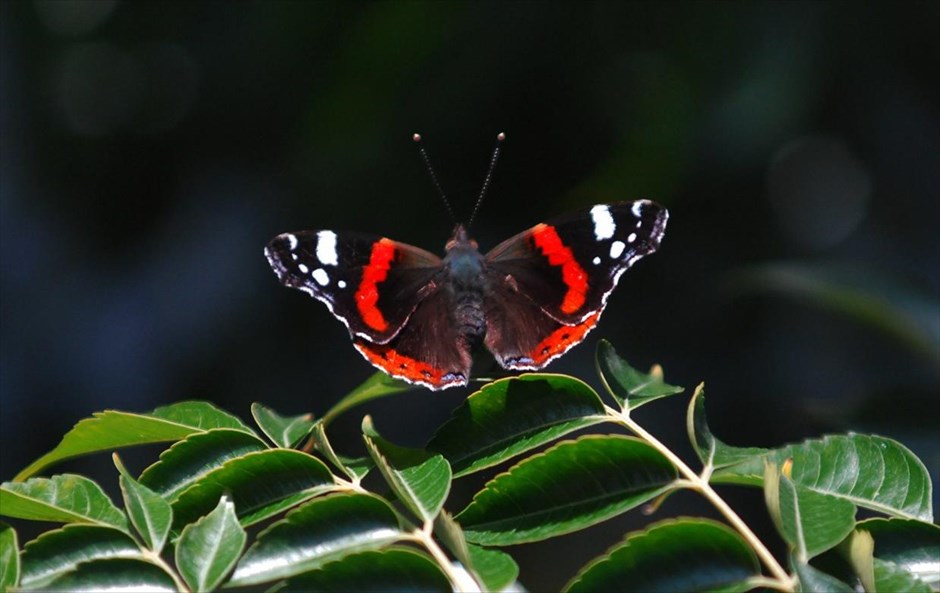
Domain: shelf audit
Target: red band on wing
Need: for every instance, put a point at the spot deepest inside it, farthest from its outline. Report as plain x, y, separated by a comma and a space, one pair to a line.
561, 340
410, 369
367, 296
572, 274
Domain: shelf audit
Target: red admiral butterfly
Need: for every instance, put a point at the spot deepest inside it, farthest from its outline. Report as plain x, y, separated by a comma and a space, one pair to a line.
529, 300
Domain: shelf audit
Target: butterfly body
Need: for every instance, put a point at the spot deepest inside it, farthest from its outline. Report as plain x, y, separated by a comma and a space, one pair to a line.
528, 301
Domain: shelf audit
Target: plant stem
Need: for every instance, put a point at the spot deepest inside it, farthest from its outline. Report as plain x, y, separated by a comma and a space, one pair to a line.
159, 561
461, 581
696, 482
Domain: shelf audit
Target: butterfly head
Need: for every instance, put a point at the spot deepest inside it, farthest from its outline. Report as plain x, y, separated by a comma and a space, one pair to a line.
460, 238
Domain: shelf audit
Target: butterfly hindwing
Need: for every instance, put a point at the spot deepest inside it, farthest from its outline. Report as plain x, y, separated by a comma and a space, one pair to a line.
370, 283
428, 350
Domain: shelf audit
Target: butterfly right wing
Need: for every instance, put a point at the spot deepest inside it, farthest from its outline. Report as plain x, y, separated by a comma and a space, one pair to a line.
370, 283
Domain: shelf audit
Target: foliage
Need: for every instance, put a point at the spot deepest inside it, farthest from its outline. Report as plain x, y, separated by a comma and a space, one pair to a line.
184, 518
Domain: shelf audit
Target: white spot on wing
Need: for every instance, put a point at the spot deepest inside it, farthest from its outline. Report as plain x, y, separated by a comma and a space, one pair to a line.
341, 284
292, 240
326, 248
616, 249
604, 225
596, 260
321, 277
631, 238
638, 206
293, 256
303, 269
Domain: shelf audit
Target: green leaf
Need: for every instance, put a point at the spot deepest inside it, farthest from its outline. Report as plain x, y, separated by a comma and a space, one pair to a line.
497, 570
9, 558
150, 514
809, 522
713, 453
60, 551
376, 386
355, 469
66, 498
570, 486
514, 415
911, 545
114, 574
873, 472
208, 549
284, 431
113, 429
891, 577
321, 531
195, 456
628, 386
672, 555
866, 294
261, 484
450, 534
396, 569
813, 580
421, 480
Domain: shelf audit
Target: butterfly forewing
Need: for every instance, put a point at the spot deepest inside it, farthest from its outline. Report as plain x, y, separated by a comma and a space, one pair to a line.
372, 284
569, 265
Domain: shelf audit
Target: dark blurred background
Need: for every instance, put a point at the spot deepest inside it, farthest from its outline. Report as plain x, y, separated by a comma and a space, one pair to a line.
149, 150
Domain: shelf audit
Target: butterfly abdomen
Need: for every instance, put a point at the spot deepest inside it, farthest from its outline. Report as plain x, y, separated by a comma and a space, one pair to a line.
465, 267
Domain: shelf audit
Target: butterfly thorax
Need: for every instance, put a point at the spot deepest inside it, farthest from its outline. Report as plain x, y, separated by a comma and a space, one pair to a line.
464, 264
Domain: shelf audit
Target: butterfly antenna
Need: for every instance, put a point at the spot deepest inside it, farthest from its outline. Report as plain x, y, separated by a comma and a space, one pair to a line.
437, 184
489, 176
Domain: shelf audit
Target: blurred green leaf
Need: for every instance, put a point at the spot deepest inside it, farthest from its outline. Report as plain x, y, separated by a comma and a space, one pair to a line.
673, 555
497, 570
208, 549
57, 552
813, 580
9, 558
66, 498
711, 451
573, 485
628, 386
354, 468
261, 485
911, 545
421, 480
150, 514
809, 522
866, 294
376, 386
321, 531
284, 431
195, 456
395, 569
891, 577
514, 415
114, 574
112, 429
449, 533
873, 472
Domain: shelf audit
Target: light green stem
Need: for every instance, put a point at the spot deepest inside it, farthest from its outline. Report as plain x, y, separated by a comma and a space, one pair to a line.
696, 482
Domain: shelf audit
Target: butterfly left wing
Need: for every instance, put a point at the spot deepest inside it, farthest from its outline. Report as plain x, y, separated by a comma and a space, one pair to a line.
548, 285
370, 283
388, 294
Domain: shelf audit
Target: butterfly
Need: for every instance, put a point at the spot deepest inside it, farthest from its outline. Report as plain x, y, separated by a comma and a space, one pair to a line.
419, 317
